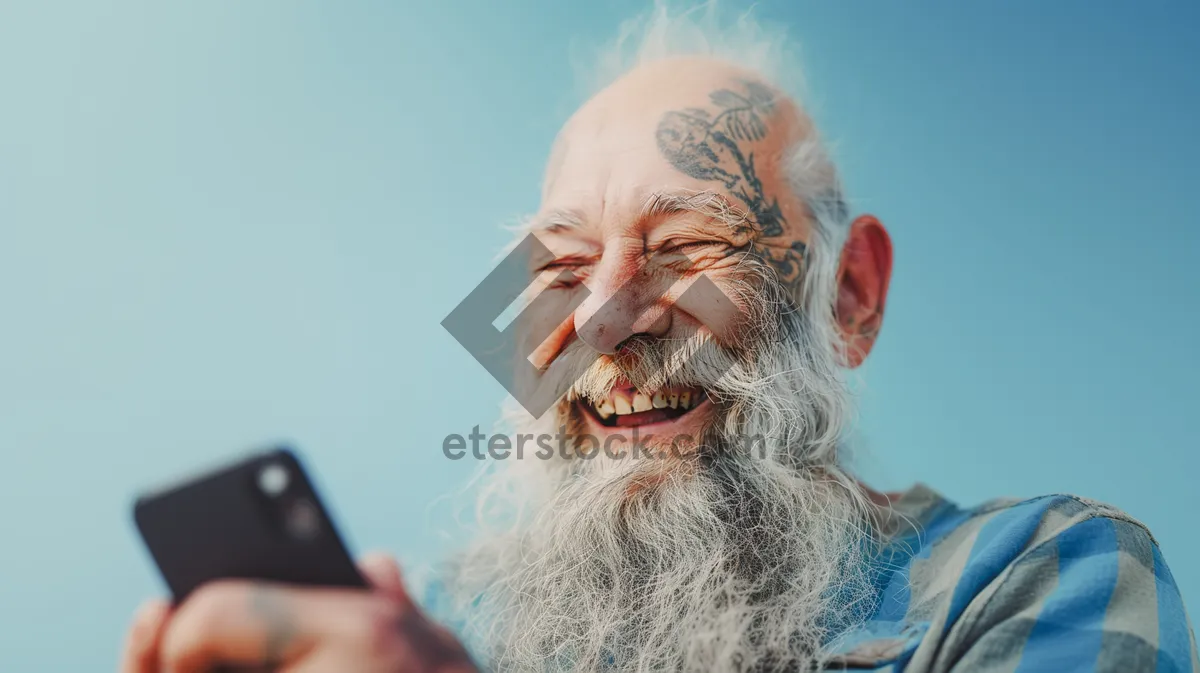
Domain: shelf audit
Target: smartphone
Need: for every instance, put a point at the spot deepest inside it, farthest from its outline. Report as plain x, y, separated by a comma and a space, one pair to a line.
258, 518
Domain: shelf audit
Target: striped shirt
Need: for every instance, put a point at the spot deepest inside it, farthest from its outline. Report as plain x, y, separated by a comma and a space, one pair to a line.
1056, 583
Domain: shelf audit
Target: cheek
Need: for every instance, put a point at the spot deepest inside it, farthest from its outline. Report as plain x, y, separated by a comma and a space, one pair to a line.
724, 303
539, 320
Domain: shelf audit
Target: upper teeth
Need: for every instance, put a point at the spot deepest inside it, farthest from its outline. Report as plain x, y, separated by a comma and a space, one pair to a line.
605, 408
641, 402
623, 402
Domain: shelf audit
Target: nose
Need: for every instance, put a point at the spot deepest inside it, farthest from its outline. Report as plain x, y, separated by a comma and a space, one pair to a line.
624, 300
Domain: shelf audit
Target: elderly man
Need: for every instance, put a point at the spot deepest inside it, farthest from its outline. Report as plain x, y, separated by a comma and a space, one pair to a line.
698, 280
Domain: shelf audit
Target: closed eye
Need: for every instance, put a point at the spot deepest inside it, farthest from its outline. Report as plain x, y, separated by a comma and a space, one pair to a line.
563, 263
695, 244
686, 246
577, 266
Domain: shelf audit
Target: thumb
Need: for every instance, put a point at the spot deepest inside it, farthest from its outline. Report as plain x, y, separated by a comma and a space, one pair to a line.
383, 573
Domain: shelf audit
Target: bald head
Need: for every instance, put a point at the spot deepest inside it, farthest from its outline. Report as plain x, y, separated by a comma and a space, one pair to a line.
688, 124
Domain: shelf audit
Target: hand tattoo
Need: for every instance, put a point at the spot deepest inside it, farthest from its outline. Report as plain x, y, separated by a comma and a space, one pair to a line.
270, 606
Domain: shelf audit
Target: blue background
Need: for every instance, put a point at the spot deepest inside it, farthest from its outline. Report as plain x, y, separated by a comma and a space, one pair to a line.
226, 223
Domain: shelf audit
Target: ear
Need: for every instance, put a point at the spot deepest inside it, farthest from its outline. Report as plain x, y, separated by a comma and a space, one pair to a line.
863, 276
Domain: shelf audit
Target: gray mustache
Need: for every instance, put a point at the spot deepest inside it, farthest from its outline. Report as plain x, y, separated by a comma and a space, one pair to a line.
645, 362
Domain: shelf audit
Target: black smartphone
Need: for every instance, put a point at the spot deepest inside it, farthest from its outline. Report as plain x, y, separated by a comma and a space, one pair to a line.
259, 518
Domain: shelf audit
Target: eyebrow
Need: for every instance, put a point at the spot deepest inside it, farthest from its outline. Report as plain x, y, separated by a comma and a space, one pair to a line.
707, 203
558, 220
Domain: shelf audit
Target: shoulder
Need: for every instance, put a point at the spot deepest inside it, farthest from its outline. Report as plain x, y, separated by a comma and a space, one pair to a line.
1012, 527
1032, 545
1037, 575
998, 532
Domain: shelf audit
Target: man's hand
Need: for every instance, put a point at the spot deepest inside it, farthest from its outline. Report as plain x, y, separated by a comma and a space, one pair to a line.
294, 630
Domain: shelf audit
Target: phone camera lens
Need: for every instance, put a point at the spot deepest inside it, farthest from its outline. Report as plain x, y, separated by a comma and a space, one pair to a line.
303, 519
273, 480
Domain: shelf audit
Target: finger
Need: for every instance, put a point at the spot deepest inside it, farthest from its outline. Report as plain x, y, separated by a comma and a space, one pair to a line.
383, 573
262, 624
413, 644
140, 654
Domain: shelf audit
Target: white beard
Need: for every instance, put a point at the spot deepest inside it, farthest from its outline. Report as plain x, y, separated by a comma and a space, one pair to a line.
727, 561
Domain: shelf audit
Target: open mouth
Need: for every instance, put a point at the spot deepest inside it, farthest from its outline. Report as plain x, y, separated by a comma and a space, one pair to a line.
628, 407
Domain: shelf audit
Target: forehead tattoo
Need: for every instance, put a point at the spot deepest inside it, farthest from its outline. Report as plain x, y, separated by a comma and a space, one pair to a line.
716, 144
